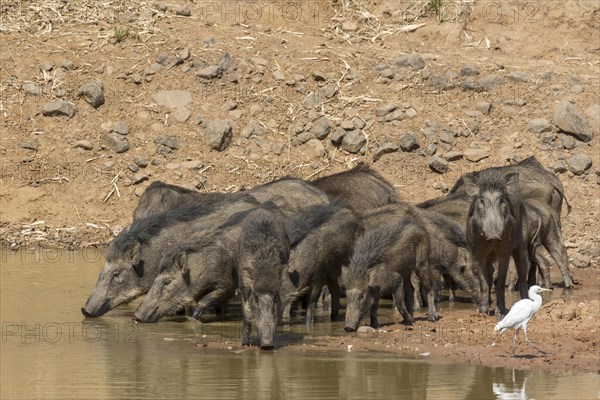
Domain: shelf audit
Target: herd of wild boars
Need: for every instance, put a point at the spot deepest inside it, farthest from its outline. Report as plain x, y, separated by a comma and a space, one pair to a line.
280, 244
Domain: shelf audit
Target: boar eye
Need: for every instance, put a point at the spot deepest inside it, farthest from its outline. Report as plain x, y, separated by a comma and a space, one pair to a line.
116, 273
166, 282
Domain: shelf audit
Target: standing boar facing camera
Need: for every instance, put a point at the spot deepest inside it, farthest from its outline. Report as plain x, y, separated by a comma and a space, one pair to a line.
261, 261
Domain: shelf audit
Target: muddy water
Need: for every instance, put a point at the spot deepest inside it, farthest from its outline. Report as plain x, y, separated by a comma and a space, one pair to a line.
49, 351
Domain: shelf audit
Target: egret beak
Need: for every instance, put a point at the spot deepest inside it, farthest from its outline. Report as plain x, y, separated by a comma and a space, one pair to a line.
546, 290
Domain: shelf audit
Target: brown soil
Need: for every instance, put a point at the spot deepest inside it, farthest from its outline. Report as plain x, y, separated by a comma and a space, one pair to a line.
60, 195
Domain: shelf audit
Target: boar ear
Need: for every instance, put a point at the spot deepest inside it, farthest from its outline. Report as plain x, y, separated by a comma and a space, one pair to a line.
133, 253
512, 180
470, 186
372, 275
181, 262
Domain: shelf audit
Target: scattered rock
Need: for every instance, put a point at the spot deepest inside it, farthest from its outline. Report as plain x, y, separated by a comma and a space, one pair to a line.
410, 113
133, 167
579, 260
138, 177
520, 76
141, 161
569, 120
92, 92
568, 142
32, 88
538, 125
304, 137
579, 164
353, 141
431, 149
169, 141
218, 134
210, 72
548, 137
470, 84
559, 167
183, 11
120, 127
255, 109
117, 142
409, 143
414, 61
173, 99
347, 124
185, 53
192, 165
315, 98
384, 148
441, 186
490, 81
349, 26
438, 164
469, 70
322, 128
337, 136
453, 155
182, 114
29, 145
365, 329
593, 112
475, 155
137, 79
317, 147
45, 66
57, 108
83, 144
385, 109
484, 107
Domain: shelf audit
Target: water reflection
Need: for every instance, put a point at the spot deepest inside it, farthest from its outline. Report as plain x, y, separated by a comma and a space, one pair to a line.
48, 351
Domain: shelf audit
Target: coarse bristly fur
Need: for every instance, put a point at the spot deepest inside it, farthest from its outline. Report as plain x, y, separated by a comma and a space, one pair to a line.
300, 225
145, 229
263, 251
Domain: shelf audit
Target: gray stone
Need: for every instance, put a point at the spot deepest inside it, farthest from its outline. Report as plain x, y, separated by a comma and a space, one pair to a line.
447, 137
438, 164
579, 260
365, 329
520, 76
569, 120
192, 165
337, 136
347, 124
359, 123
67, 65
185, 53
579, 164
120, 127
538, 125
229, 105
169, 141
210, 72
431, 149
349, 26
413, 61
576, 89
548, 137
137, 79
45, 66
453, 155
182, 114
117, 142
475, 155
484, 107
218, 134
183, 11
57, 108
133, 167
173, 99
354, 141
559, 167
410, 113
441, 186
470, 84
385, 109
278, 148
317, 147
32, 88
469, 70
304, 137
92, 92
255, 109
173, 166
138, 177
593, 112
384, 148
568, 142
83, 144
322, 128
226, 63
396, 115
409, 143
29, 145
315, 98
140, 161
490, 81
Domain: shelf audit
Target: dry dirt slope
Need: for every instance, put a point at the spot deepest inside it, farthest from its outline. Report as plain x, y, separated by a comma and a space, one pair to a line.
291, 80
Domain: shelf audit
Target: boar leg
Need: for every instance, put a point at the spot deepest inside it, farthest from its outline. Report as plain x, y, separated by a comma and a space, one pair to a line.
334, 290
558, 251
215, 297
400, 304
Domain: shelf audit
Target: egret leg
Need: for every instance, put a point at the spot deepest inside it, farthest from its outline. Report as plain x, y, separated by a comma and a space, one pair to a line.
531, 344
515, 340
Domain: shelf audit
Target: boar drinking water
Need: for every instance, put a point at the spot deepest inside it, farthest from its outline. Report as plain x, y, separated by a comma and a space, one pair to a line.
133, 257
261, 260
495, 232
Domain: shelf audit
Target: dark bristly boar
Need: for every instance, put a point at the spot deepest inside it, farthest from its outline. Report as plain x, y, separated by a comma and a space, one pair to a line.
393, 249
537, 186
321, 240
495, 232
160, 197
261, 259
290, 195
133, 257
361, 188
200, 271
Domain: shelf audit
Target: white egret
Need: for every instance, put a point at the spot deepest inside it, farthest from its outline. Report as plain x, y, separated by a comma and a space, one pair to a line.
520, 313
